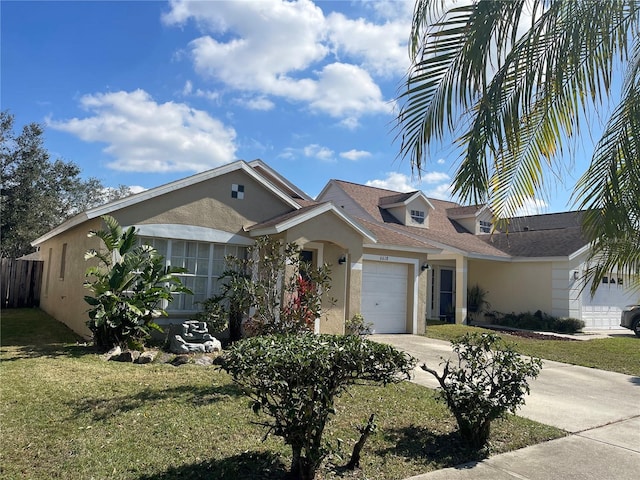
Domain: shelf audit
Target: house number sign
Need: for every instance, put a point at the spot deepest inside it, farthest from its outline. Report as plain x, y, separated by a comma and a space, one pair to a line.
384, 259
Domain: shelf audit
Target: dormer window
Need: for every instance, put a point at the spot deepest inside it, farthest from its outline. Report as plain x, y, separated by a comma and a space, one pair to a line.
485, 227
417, 216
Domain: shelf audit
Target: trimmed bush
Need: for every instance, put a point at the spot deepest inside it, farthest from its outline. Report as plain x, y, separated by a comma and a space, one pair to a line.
539, 321
488, 380
294, 379
568, 325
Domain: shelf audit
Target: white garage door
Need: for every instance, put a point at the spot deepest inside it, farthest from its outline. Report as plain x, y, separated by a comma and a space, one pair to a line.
603, 310
384, 296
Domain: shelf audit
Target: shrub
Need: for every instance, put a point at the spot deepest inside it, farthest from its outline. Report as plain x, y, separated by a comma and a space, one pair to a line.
213, 314
357, 326
568, 325
488, 380
285, 293
293, 379
129, 285
539, 321
227, 308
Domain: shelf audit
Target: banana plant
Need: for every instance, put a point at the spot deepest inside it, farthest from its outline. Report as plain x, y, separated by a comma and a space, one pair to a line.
130, 287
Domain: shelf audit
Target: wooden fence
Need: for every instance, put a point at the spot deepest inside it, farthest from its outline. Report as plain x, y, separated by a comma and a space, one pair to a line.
20, 283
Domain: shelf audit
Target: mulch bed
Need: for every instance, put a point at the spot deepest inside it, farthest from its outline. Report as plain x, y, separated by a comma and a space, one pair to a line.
530, 334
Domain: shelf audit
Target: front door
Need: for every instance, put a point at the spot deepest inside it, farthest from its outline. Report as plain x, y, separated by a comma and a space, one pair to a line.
447, 282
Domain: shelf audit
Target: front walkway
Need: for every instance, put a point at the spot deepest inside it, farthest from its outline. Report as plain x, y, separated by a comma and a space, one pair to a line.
601, 409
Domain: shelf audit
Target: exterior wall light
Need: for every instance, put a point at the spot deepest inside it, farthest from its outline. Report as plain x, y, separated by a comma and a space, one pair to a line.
343, 259
425, 266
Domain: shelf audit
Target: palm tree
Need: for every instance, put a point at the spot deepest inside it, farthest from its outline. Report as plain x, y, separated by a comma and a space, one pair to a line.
514, 81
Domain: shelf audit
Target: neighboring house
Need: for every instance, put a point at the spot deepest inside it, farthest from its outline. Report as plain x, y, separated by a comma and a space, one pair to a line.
397, 258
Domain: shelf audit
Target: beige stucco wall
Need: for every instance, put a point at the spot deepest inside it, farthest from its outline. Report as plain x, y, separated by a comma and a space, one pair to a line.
514, 286
335, 238
63, 298
208, 204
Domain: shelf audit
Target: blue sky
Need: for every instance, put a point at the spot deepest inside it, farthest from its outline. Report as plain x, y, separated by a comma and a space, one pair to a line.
143, 93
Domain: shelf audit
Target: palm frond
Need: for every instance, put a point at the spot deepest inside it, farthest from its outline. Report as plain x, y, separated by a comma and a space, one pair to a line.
610, 189
450, 69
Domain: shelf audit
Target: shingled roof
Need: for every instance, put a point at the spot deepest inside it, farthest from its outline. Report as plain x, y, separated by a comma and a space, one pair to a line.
555, 242
547, 235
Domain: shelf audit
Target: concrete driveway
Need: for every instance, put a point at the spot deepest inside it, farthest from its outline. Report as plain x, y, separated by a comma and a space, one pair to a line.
601, 409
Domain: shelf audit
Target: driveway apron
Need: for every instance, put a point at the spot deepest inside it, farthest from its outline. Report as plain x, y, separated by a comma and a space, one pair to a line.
601, 409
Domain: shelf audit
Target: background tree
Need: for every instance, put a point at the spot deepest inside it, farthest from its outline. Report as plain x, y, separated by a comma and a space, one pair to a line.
514, 81
37, 193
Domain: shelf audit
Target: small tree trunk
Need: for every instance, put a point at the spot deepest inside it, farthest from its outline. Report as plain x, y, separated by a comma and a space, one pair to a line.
301, 468
476, 435
357, 448
235, 325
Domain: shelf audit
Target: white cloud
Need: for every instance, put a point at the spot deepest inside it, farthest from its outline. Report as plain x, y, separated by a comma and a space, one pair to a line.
317, 151
400, 182
396, 181
532, 206
256, 103
347, 90
441, 161
381, 47
188, 91
434, 177
145, 136
284, 48
137, 188
444, 191
355, 155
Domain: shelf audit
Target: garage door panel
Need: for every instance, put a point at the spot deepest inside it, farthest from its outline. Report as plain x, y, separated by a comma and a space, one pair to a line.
604, 308
384, 296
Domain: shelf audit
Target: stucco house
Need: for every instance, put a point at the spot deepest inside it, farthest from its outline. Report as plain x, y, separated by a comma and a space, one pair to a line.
397, 258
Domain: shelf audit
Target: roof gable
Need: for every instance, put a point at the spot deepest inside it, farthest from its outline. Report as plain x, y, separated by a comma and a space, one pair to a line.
240, 165
292, 219
404, 199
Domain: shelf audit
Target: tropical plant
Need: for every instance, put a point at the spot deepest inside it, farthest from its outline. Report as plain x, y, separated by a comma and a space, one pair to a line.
514, 81
477, 300
129, 284
227, 309
488, 380
294, 380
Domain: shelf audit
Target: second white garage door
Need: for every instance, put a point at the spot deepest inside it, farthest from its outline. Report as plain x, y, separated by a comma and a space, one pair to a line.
384, 296
604, 309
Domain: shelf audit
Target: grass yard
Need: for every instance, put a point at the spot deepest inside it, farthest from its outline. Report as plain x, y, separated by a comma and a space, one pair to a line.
619, 354
67, 414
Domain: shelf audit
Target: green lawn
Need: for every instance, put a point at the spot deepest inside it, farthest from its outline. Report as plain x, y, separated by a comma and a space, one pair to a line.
619, 354
67, 414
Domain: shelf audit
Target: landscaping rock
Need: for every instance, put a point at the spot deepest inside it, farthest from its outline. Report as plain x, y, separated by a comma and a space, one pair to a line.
181, 360
114, 352
129, 356
146, 357
164, 357
204, 361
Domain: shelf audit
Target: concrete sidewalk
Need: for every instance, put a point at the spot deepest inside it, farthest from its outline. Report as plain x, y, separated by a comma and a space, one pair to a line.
601, 409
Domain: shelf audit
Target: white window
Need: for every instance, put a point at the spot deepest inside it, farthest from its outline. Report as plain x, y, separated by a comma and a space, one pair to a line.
204, 262
417, 216
485, 227
63, 261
